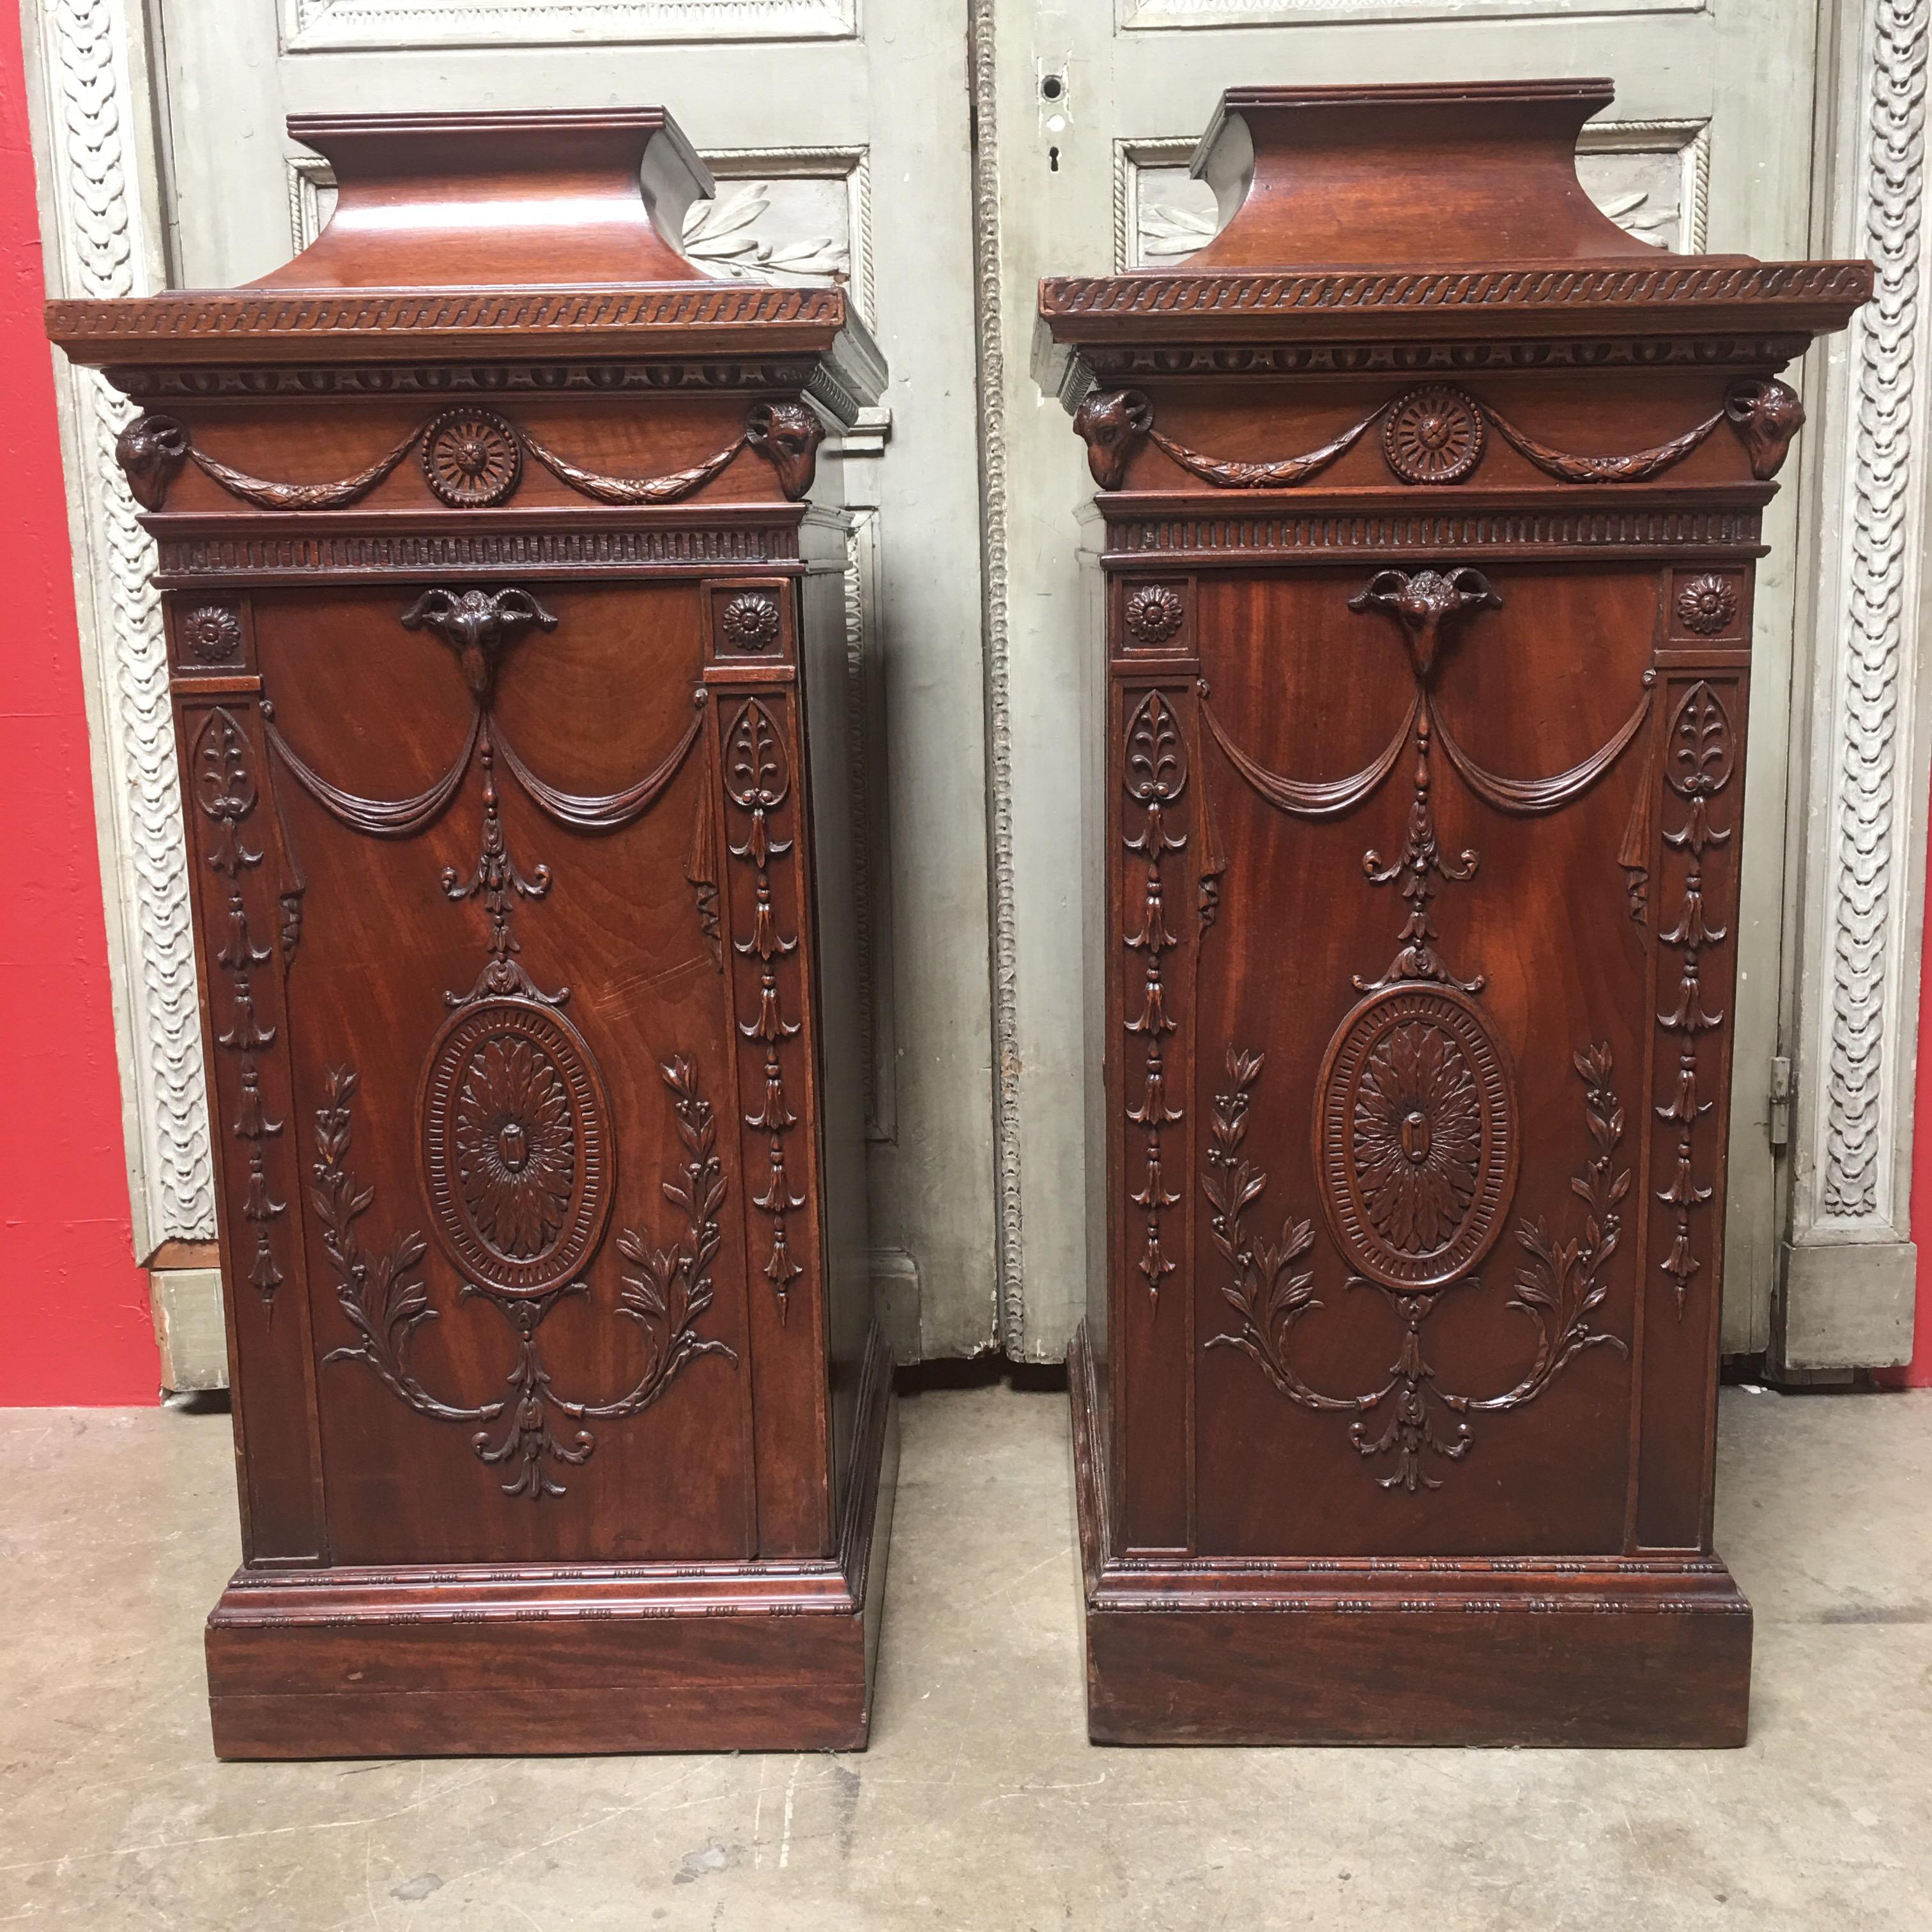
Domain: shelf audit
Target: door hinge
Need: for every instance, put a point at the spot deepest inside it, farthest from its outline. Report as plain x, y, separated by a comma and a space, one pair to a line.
1781, 1101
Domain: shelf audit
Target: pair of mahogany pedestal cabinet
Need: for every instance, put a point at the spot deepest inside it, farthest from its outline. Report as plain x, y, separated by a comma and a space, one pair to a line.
506, 650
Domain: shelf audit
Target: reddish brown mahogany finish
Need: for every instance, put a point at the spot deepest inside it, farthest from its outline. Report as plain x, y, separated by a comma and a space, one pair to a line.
1430, 503
507, 657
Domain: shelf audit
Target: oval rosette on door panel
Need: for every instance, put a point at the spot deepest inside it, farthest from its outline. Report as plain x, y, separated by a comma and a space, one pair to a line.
1415, 1136
516, 1157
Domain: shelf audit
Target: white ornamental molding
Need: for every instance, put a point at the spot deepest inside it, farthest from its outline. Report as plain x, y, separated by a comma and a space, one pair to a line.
1884, 518
1848, 1290
871, 856
997, 632
101, 239
1167, 15
327, 26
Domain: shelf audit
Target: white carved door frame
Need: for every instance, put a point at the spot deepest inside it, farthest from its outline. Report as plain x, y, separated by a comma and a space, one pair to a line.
90, 102
1857, 845
1820, 1238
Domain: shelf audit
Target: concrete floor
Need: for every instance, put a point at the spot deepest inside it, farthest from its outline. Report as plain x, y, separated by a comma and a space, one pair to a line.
980, 1804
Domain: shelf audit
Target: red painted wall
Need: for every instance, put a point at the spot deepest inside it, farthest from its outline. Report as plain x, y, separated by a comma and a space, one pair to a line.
1919, 1374
73, 1306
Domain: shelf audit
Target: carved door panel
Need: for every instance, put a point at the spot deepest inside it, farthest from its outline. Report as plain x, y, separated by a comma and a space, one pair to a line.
1461, 1204
840, 141
440, 828
1091, 111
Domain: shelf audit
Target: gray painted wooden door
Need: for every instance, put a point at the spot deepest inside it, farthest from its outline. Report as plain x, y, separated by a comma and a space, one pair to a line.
1094, 108
940, 155
840, 139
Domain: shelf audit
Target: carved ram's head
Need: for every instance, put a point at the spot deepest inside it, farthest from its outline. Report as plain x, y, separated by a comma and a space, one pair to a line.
1766, 416
1113, 425
478, 625
786, 435
1422, 602
150, 451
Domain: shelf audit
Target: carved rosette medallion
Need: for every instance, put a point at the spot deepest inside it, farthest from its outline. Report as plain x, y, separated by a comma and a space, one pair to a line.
1415, 1136
1155, 612
1707, 605
471, 459
516, 1153
211, 634
750, 622
1432, 435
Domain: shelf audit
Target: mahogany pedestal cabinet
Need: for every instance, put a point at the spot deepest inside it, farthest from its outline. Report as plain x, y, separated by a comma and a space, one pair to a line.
1429, 505
507, 657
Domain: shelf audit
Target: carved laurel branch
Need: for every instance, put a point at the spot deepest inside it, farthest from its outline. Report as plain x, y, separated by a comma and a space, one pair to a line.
470, 461
386, 1302
1559, 1288
383, 1304
1765, 415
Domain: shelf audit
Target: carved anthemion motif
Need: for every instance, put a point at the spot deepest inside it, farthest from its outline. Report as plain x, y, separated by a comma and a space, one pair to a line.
1154, 776
757, 782
533, 1427
1699, 761
223, 780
